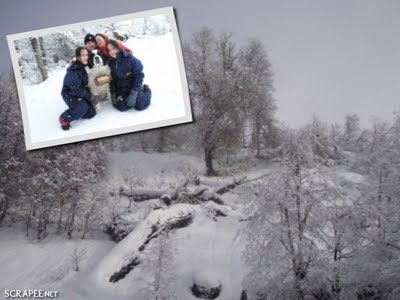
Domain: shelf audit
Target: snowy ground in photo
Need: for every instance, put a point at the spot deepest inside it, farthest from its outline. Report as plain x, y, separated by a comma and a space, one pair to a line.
45, 104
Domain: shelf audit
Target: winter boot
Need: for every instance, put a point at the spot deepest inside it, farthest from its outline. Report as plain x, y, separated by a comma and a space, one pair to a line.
65, 125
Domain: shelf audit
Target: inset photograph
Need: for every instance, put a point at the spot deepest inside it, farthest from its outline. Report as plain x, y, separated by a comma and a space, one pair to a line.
100, 78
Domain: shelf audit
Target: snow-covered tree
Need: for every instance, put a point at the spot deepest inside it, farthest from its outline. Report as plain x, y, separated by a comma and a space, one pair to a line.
83, 165
351, 132
296, 147
340, 233
159, 265
323, 148
90, 207
12, 149
256, 92
26, 59
281, 235
223, 96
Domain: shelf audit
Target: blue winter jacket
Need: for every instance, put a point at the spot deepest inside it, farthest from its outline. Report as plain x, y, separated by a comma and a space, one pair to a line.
127, 74
75, 83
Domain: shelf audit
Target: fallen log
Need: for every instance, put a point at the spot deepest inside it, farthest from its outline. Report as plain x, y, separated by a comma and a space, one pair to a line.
156, 230
184, 196
231, 186
139, 195
175, 223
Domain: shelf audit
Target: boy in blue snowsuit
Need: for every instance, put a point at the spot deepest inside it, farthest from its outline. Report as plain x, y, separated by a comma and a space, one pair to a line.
127, 89
75, 92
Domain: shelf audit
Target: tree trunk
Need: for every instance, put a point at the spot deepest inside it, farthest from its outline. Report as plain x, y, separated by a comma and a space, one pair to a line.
28, 224
299, 289
30, 215
4, 205
61, 213
161, 141
5, 120
258, 143
336, 287
256, 135
41, 44
72, 218
85, 226
143, 142
39, 58
40, 225
87, 216
46, 216
208, 156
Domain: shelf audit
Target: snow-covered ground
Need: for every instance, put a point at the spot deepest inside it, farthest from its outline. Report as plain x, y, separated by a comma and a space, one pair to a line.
207, 251
47, 265
45, 104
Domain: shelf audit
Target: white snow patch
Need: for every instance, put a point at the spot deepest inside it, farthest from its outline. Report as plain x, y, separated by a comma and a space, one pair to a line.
27, 264
206, 252
349, 176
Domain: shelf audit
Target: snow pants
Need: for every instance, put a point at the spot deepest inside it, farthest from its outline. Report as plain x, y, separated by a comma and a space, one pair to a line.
142, 101
78, 110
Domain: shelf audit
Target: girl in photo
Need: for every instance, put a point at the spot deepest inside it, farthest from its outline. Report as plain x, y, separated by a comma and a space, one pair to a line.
127, 89
75, 91
102, 40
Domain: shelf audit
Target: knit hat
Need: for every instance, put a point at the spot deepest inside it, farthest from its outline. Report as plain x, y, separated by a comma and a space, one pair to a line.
89, 38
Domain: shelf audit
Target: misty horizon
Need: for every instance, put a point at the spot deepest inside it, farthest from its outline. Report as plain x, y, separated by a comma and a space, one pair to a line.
331, 59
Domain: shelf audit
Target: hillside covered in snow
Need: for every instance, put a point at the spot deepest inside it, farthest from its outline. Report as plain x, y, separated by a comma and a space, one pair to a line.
167, 247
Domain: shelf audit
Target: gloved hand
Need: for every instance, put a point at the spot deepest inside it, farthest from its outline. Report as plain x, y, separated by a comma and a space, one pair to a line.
76, 99
131, 100
99, 81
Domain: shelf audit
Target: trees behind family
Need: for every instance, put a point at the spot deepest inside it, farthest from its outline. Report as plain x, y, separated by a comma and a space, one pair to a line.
38, 56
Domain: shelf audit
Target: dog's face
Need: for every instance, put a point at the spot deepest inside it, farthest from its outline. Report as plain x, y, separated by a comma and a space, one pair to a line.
97, 61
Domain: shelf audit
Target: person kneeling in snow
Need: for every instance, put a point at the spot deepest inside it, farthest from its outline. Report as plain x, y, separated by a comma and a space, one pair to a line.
127, 89
75, 92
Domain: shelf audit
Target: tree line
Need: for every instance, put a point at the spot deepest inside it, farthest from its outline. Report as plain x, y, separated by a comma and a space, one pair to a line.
315, 234
45, 186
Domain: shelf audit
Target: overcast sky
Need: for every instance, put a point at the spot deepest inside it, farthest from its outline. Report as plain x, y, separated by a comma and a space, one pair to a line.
331, 57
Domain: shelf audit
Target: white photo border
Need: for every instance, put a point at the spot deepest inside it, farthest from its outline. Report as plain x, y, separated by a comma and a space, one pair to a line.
169, 11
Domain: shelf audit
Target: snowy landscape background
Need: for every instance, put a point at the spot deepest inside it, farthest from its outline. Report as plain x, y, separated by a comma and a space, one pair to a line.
152, 42
237, 205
